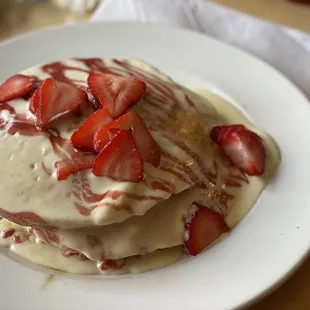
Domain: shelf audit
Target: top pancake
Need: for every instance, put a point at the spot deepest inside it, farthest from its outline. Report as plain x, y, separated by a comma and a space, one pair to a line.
32, 196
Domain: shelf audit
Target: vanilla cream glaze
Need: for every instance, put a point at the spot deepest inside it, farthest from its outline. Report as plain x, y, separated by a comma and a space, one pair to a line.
154, 229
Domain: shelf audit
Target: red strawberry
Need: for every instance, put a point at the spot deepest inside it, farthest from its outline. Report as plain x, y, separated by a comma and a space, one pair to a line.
54, 99
117, 93
120, 159
82, 139
35, 101
17, 86
203, 228
242, 146
146, 145
68, 166
102, 137
113, 132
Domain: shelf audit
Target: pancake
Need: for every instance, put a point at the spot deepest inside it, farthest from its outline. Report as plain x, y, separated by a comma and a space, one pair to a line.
160, 227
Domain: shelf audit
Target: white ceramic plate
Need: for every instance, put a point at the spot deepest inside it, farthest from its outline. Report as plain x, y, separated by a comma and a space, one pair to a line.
260, 252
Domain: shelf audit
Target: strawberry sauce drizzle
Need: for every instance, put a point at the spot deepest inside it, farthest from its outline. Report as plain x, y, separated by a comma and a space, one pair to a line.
93, 241
90, 197
6, 233
16, 239
169, 188
57, 71
23, 218
68, 252
166, 91
110, 264
47, 235
181, 165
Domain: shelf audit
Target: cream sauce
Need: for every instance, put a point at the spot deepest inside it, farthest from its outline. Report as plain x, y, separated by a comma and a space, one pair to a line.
49, 256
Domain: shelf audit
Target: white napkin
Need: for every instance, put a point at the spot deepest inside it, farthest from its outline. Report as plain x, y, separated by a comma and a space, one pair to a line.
286, 49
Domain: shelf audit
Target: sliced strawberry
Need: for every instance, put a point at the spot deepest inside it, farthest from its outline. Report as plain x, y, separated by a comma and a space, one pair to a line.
146, 145
54, 99
242, 146
35, 101
69, 166
102, 137
202, 228
17, 86
120, 159
117, 93
82, 139
113, 132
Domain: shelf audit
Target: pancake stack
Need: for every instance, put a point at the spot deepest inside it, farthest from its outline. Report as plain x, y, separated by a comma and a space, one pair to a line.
109, 166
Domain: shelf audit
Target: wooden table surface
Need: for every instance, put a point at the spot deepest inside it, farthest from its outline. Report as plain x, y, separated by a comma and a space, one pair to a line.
284, 12
295, 293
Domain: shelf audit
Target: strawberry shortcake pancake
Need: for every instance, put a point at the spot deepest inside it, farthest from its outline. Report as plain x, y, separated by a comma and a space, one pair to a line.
109, 166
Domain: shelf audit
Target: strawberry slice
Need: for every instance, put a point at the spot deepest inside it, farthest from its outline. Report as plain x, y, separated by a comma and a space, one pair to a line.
54, 99
116, 93
82, 139
113, 132
17, 86
120, 159
102, 136
35, 101
69, 166
202, 228
242, 146
146, 145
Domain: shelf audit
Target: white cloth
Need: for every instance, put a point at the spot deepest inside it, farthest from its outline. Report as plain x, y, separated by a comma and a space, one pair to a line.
286, 49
